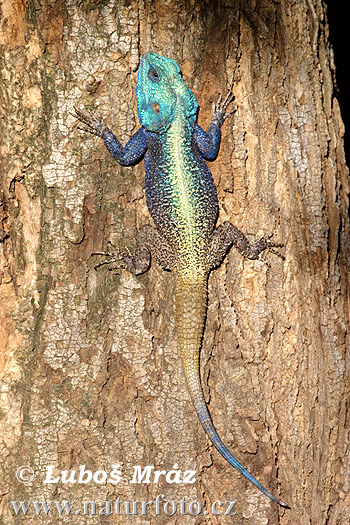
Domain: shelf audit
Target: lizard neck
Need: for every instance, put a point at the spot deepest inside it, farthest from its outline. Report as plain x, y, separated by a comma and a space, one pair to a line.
179, 135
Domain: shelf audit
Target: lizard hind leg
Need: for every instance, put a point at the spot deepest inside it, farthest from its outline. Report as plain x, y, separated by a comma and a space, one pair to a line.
158, 247
149, 243
226, 235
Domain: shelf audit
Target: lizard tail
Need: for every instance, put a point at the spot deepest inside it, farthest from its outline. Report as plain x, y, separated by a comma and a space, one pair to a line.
191, 303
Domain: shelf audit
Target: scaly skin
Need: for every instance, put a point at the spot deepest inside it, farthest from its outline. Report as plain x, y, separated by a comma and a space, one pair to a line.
181, 198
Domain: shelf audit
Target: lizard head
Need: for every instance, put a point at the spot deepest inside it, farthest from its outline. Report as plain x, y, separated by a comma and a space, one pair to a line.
161, 92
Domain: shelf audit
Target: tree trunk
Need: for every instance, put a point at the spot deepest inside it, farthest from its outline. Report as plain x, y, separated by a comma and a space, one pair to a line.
89, 363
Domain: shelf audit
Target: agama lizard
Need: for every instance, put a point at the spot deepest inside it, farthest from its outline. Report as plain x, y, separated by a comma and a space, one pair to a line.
181, 197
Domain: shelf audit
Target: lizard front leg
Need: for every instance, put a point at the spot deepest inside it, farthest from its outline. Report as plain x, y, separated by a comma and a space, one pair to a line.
227, 234
129, 155
208, 143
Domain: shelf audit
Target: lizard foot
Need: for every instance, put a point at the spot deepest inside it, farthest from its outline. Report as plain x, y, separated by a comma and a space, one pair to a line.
93, 124
264, 242
219, 110
115, 258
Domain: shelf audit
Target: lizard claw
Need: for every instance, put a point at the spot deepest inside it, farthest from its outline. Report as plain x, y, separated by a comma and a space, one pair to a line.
113, 257
219, 110
271, 245
93, 124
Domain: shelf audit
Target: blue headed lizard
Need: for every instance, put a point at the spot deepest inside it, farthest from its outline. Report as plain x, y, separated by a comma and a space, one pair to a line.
181, 198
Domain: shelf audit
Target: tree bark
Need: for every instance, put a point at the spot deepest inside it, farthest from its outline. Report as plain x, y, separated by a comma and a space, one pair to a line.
89, 364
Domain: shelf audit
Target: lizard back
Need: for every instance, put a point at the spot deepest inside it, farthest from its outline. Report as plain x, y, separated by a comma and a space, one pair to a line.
181, 194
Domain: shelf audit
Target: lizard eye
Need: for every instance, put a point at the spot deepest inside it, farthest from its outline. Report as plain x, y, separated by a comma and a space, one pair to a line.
153, 75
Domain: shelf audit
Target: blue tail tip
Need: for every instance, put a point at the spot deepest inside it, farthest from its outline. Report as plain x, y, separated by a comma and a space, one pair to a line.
285, 505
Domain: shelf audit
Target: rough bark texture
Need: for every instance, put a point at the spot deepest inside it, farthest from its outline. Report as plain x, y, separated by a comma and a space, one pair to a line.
89, 365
